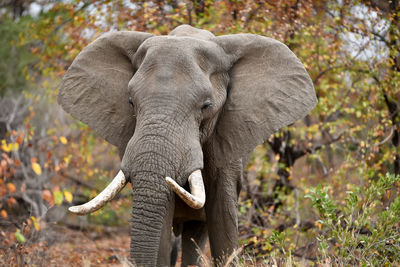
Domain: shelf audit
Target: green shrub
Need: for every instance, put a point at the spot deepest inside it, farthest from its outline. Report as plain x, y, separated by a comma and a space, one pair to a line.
365, 230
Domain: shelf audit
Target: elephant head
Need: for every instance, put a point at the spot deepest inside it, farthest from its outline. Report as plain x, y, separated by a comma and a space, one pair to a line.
176, 106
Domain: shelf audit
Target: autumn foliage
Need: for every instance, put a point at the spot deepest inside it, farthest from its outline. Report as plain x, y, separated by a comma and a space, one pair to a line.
322, 191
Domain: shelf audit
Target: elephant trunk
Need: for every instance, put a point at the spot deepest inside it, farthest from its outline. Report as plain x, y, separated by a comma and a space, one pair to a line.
160, 147
152, 202
151, 212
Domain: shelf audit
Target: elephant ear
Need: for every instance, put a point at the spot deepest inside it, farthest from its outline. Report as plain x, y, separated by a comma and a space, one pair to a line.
269, 88
95, 87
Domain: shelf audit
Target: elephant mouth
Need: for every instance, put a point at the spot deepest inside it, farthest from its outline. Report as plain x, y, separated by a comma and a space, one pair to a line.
195, 199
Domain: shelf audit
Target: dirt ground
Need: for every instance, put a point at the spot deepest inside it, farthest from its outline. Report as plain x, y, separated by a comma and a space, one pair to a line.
58, 245
65, 247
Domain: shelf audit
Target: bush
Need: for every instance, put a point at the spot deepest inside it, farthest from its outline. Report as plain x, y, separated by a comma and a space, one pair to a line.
365, 229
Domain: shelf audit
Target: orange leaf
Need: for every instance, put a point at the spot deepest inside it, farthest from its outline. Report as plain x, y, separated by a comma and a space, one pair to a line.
7, 158
46, 195
3, 214
20, 138
11, 187
11, 201
22, 134
3, 164
2, 190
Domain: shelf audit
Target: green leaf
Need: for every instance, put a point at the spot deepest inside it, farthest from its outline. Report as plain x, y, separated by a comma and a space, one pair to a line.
58, 197
20, 237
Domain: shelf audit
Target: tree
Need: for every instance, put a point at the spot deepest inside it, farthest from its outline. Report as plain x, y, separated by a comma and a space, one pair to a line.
347, 144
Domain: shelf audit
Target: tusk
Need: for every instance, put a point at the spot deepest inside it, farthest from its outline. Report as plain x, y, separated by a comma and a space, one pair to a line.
197, 198
101, 199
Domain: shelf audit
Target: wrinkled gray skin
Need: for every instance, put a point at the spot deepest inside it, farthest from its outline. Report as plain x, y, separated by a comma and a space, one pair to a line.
254, 85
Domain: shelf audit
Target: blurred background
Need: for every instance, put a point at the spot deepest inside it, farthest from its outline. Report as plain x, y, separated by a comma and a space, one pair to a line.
324, 191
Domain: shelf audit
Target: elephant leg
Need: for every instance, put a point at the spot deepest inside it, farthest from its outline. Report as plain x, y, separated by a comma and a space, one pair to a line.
221, 212
194, 238
174, 251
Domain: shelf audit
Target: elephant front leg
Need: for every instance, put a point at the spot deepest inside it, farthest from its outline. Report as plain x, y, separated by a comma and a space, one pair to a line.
221, 210
194, 239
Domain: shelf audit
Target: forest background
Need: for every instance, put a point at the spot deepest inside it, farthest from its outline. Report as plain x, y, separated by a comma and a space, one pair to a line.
320, 192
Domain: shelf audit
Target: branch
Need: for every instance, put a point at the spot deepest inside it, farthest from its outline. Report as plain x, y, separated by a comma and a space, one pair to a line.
381, 38
253, 12
78, 181
386, 138
322, 73
301, 152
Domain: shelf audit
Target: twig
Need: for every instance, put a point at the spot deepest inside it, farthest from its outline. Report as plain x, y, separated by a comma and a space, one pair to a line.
79, 182
387, 137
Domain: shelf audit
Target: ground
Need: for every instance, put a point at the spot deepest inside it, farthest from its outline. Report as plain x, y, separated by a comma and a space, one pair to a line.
59, 246
66, 247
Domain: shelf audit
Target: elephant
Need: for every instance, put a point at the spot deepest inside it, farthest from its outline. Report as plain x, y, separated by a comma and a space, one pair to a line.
185, 111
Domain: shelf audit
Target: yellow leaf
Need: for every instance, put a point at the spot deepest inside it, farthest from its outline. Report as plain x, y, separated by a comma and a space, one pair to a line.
36, 223
5, 147
89, 159
68, 196
63, 140
15, 146
36, 168
67, 159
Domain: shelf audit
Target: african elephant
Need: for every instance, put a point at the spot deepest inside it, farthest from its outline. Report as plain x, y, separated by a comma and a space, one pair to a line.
185, 111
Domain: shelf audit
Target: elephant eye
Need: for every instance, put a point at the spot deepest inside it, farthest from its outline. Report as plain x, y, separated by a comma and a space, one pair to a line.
130, 101
206, 105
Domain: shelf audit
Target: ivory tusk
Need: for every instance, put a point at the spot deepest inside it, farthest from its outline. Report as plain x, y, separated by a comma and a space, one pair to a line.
101, 199
197, 197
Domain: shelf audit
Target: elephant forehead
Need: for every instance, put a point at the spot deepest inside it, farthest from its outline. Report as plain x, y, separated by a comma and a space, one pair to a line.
187, 30
184, 47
